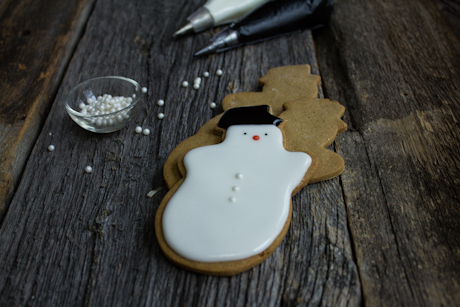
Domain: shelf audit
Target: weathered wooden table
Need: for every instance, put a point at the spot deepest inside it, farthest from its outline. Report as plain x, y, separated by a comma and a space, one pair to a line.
384, 233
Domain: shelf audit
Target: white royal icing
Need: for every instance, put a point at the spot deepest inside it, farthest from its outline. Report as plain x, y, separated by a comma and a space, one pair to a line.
236, 195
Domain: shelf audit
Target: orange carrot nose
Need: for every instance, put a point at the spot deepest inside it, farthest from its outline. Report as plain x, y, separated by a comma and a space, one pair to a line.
255, 137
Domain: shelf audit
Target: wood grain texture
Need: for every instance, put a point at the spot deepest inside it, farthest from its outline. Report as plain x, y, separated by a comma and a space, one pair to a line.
72, 238
37, 39
395, 66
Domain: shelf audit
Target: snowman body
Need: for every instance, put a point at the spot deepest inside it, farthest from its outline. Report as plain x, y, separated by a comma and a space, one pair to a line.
235, 198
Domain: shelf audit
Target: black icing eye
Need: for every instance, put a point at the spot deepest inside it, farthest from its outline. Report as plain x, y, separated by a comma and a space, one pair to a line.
266, 134
245, 133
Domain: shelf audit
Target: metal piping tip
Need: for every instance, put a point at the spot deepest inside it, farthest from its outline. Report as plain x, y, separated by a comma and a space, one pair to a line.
208, 50
184, 30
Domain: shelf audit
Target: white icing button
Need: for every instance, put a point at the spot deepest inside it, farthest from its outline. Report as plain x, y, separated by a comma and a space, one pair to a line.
235, 188
239, 176
232, 199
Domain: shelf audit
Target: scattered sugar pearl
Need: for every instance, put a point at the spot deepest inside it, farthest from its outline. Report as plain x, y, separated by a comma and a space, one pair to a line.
146, 131
88, 169
51, 148
82, 105
219, 72
138, 129
239, 176
236, 188
212, 105
197, 80
144, 90
184, 84
161, 102
134, 96
196, 86
206, 74
161, 116
232, 199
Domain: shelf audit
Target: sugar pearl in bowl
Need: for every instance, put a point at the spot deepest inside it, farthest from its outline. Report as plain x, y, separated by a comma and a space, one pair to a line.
104, 104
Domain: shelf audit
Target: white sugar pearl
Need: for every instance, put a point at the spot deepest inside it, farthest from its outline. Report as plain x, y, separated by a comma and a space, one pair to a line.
196, 86
161, 116
206, 74
144, 90
184, 84
232, 199
239, 176
219, 72
88, 169
84, 111
82, 105
197, 80
138, 129
129, 100
161, 102
236, 189
146, 131
51, 148
212, 105
98, 122
134, 96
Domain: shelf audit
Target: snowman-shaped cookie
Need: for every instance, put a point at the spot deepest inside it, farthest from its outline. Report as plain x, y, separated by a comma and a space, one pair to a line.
233, 208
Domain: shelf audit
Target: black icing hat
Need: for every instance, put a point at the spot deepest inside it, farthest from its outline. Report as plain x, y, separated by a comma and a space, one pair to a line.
252, 115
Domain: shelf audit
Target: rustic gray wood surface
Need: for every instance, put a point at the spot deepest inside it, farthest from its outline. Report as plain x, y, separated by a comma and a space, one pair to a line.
36, 42
397, 72
384, 233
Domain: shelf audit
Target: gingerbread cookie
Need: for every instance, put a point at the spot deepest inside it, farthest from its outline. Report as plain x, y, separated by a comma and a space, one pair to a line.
310, 127
233, 207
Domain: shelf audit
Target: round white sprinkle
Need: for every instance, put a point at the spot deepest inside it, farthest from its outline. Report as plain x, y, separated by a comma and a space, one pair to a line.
184, 84
196, 86
232, 199
219, 72
212, 105
239, 176
235, 188
197, 80
82, 105
138, 129
146, 131
161, 102
88, 169
206, 74
161, 116
134, 96
144, 90
51, 148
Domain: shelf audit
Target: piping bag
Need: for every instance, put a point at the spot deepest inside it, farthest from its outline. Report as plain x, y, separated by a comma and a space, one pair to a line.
271, 20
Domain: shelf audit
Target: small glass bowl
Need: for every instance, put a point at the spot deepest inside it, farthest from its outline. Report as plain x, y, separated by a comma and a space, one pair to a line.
113, 116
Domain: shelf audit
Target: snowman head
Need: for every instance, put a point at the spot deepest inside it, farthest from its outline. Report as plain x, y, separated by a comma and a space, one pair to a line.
252, 127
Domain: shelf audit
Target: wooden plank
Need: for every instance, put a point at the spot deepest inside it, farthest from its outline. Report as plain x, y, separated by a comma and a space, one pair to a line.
72, 238
36, 42
395, 66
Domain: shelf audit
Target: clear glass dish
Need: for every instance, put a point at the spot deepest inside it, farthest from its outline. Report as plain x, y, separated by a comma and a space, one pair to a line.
90, 109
